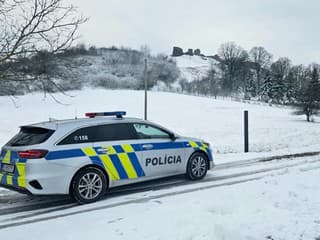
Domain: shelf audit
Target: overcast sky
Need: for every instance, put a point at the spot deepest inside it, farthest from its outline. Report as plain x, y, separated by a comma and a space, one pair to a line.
284, 27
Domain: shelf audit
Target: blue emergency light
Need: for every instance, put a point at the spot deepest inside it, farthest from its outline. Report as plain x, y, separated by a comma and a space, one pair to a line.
118, 114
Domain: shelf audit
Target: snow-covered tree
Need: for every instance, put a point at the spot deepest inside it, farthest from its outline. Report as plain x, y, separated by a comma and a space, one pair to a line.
291, 86
266, 92
280, 70
262, 61
309, 97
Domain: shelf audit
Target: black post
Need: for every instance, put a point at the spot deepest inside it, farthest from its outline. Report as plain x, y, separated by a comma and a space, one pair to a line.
246, 131
145, 88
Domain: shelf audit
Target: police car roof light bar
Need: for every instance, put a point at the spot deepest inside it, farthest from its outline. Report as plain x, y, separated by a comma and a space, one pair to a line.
118, 114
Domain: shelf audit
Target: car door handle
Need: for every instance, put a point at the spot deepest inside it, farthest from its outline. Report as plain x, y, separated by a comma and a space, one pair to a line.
147, 146
102, 150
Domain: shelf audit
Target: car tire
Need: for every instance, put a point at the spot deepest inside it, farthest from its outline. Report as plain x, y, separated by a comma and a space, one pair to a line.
197, 166
88, 185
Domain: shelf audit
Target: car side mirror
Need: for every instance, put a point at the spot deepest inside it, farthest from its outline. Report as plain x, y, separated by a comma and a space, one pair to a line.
173, 137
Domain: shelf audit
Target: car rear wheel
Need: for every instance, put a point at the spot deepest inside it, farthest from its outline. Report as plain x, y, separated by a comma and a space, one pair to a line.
197, 166
88, 185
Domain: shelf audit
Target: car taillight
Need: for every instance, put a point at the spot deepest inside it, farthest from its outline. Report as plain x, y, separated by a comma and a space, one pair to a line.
33, 154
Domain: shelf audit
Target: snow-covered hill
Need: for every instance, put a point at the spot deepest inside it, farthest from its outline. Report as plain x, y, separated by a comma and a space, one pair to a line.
194, 67
108, 68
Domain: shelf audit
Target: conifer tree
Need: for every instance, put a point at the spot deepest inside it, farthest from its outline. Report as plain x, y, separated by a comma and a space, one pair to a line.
309, 97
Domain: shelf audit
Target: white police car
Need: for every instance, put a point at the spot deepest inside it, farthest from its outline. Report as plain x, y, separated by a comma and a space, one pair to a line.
85, 157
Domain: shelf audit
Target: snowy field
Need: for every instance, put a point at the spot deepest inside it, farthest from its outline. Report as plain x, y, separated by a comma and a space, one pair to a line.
273, 130
281, 203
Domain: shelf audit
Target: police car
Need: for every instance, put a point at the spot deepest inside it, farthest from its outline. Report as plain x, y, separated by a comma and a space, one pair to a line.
85, 157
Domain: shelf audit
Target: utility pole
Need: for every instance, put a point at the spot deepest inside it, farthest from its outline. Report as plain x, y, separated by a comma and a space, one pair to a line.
145, 88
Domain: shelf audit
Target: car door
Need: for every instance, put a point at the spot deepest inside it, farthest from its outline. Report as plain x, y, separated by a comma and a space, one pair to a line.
161, 155
116, 149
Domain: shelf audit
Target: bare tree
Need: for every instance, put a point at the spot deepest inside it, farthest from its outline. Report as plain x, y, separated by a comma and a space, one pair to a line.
262, 60
213, 81
145, 49
28, 26
233, 59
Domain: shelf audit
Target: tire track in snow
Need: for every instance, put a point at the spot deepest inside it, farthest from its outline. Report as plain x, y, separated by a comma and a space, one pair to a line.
15, 221
62, 202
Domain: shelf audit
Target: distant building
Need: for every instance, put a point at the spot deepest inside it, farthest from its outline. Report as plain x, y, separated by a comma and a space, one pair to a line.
177, 52
197, 52
189, 52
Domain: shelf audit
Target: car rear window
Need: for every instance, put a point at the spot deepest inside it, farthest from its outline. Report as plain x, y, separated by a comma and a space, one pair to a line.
30, 136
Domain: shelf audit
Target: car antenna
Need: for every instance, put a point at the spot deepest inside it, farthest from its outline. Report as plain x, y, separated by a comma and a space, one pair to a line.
75, 114
51, 119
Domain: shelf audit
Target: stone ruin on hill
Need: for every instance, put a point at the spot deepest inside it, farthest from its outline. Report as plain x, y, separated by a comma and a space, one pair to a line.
177, 52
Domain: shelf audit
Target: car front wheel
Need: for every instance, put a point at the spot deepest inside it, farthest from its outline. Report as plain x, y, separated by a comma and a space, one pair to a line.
89, 185
197, 166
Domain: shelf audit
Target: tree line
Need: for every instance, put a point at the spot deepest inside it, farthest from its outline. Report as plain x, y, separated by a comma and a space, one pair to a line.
254, 75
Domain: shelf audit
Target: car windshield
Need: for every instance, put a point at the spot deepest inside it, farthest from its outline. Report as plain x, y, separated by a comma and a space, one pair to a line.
30, 136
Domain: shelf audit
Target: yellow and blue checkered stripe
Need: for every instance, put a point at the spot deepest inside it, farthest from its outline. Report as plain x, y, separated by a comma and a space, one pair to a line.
200, 146
17, 179
120, 161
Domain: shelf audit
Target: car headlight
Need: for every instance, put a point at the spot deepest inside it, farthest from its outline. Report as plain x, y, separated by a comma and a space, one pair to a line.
206, 143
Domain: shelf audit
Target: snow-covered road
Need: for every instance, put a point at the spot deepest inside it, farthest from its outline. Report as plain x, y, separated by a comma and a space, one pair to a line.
225, 176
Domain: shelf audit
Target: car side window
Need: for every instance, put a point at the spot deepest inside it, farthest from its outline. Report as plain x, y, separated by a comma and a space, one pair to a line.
101, 133
116, 132
83, 135
145, 131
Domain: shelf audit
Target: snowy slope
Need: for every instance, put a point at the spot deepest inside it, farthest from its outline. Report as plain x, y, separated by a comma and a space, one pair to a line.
194, 67
272, 130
